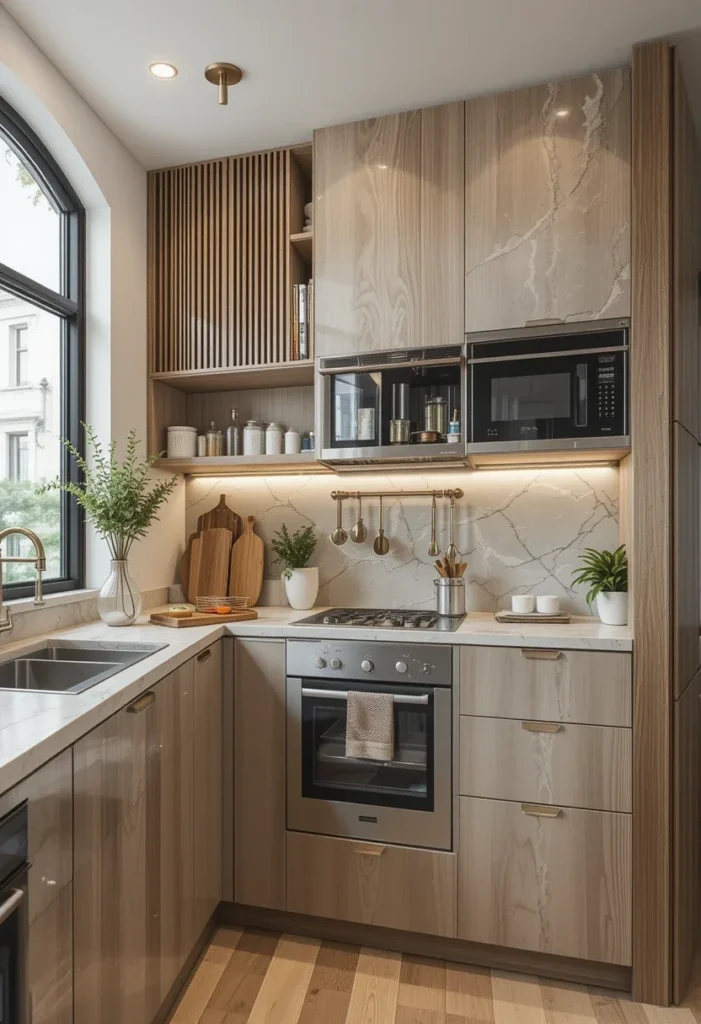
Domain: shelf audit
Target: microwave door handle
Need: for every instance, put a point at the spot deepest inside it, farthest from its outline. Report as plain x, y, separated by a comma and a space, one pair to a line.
580, 404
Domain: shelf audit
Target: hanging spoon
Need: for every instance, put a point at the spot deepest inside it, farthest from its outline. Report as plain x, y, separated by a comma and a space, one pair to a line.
359, 533
381, 545
452, 553
433, 548
339, 535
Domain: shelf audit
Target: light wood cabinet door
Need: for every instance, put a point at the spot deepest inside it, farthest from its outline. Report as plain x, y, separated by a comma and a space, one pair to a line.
259, 773
547, 208
388, 886
388, 232
686, 553
207, 774
557, 885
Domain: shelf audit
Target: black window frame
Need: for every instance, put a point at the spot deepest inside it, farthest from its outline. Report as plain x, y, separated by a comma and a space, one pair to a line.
69, 306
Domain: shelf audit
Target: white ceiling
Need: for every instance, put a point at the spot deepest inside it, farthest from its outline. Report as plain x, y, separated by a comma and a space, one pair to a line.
310, 63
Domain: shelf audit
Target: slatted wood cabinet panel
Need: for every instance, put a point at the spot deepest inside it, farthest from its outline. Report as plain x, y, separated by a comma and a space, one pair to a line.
388, 232
388, 886
547, 208
259, 773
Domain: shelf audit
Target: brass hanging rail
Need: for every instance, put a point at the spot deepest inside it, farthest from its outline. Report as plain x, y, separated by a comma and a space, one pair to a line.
346, 495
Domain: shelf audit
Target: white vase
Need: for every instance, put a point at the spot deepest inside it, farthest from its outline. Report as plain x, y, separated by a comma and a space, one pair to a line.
301, 587
613, 608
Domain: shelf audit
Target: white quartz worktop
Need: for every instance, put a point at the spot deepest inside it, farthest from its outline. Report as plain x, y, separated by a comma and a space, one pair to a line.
34, 727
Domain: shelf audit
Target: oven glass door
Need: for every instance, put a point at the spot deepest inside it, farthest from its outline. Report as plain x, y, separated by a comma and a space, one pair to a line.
13, 913
355, 410
407, 781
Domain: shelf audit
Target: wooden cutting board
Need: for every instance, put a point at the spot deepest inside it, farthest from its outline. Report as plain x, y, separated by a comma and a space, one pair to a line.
246, 578
221, 516
209, 564
185, 567
201, 619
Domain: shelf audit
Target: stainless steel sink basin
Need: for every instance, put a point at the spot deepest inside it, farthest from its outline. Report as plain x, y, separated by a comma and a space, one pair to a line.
64, 666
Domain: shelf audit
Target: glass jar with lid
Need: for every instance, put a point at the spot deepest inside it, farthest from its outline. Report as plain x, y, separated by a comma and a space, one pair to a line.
215, 441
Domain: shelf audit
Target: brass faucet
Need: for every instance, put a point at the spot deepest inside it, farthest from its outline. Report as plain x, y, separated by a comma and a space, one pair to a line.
39, 561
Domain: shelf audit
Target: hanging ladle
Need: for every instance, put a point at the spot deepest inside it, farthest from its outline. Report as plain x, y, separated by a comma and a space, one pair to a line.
452, 553
339, 535
359, 533
433, 548
381, 545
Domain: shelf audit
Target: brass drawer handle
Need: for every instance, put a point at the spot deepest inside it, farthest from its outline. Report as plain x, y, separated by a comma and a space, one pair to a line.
371, 850
541, 810
540, 653
541, 726
205, 655
142, 702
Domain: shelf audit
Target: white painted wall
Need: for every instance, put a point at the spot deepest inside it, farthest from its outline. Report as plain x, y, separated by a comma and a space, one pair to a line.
112, 187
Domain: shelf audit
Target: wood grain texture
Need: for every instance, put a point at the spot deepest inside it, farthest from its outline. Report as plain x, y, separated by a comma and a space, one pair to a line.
589, 687
213, 560
259, 772
375, 989
221, 517
285, 985
390, 886
207, 783
290, 406
247, 558
388, 221
687, 834
686, 553
652, 503
547, 209
558, 885
578, 766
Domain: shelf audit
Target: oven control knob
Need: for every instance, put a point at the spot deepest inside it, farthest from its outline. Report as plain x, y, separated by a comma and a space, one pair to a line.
320, 662
335, 663
401, 666
367, 666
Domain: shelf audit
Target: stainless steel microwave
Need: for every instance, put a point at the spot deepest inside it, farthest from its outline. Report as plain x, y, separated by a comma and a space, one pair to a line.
559, 387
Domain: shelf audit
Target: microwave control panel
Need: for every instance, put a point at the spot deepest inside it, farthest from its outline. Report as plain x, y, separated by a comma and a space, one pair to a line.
606, 388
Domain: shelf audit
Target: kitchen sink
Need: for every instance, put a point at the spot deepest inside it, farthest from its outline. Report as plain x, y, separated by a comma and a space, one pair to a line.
70, 667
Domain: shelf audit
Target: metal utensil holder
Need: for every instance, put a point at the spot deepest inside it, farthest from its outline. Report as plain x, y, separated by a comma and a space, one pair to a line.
450, 596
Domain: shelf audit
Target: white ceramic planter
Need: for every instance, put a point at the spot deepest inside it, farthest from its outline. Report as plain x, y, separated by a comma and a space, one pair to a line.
301, 587
613, 608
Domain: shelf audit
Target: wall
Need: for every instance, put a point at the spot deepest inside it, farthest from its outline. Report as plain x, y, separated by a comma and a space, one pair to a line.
520, 531
112, 187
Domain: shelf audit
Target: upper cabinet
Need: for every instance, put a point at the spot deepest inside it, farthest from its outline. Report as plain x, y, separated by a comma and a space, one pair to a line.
388, 232
547, 203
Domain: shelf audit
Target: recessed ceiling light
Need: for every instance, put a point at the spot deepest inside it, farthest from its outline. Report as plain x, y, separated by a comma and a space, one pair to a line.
160, 69
562, 113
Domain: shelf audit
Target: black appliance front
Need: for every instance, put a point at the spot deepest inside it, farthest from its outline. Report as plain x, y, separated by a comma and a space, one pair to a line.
13, 916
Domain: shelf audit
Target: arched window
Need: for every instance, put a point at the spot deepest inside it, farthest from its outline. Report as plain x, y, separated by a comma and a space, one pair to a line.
42, 254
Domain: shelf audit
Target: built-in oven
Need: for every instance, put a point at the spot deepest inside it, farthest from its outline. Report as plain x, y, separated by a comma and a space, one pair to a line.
405, 799
392, 407
14, 866
549, 388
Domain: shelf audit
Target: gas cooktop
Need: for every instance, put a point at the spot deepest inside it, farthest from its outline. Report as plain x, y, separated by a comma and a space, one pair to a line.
383, 618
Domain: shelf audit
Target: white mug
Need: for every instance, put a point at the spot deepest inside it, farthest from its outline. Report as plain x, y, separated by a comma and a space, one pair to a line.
548, 604
523, 604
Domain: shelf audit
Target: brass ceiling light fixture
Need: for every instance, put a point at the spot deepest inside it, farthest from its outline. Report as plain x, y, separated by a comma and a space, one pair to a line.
223, 74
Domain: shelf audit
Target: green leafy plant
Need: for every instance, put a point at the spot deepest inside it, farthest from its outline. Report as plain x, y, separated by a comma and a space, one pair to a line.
293, 551
606, 572
116, 495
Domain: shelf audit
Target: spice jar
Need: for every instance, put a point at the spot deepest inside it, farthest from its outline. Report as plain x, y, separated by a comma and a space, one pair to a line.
254, 438
215, 441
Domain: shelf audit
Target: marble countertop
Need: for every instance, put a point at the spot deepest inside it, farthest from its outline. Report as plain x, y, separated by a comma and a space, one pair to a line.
34, 727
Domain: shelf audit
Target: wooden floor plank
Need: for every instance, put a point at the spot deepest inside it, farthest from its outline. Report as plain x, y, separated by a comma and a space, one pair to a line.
567, 1004
375, 988
285, 985
330, 985
615, 1008
468, 993
668, 1014
241, 980
517, 999
421, 994
193, 1002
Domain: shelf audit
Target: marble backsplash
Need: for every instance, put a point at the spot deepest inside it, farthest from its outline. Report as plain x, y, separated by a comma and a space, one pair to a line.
519, 531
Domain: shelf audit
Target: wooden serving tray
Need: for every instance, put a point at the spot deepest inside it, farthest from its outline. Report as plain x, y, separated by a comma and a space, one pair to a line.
561, 617
201, 618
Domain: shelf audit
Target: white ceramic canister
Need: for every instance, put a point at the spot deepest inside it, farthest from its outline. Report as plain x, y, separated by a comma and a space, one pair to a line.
273, 439
201, 445
182, 442
523, 604
293, 442
254, 438
547, 604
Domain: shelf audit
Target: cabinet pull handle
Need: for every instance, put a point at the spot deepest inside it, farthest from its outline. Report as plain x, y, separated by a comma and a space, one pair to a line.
546, 321
540, 653
142, 702
205, 655
371, 850
541, 726
15, 898
541, 810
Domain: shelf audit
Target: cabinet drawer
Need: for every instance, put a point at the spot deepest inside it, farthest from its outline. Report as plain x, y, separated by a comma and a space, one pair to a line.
390, 886
550, 884
546, 762
592, 687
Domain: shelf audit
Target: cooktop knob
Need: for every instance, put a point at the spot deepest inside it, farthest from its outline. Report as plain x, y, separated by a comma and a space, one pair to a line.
320, 662
401, 666
335, 663
367, 666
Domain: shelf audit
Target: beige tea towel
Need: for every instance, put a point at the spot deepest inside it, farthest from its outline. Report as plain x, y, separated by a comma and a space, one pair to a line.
370, 725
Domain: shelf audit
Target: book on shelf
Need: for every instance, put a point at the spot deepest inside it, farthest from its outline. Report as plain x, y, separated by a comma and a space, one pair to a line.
295, 322
302, 338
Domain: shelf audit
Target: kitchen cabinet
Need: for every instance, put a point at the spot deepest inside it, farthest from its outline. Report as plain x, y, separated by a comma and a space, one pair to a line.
370, 883
259, 773
551, 880
207, 775
388, 232
547, 203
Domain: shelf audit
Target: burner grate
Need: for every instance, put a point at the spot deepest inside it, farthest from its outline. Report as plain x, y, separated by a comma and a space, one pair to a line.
381, 618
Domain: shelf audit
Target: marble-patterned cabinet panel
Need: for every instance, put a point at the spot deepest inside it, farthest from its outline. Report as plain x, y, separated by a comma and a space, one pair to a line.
547, 214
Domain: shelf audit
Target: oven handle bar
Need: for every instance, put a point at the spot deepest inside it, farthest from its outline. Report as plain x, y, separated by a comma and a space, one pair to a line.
525, 356
11, 903
399, 698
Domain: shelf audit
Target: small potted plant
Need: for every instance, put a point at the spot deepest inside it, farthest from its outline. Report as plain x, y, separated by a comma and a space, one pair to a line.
301, 580
606, 572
